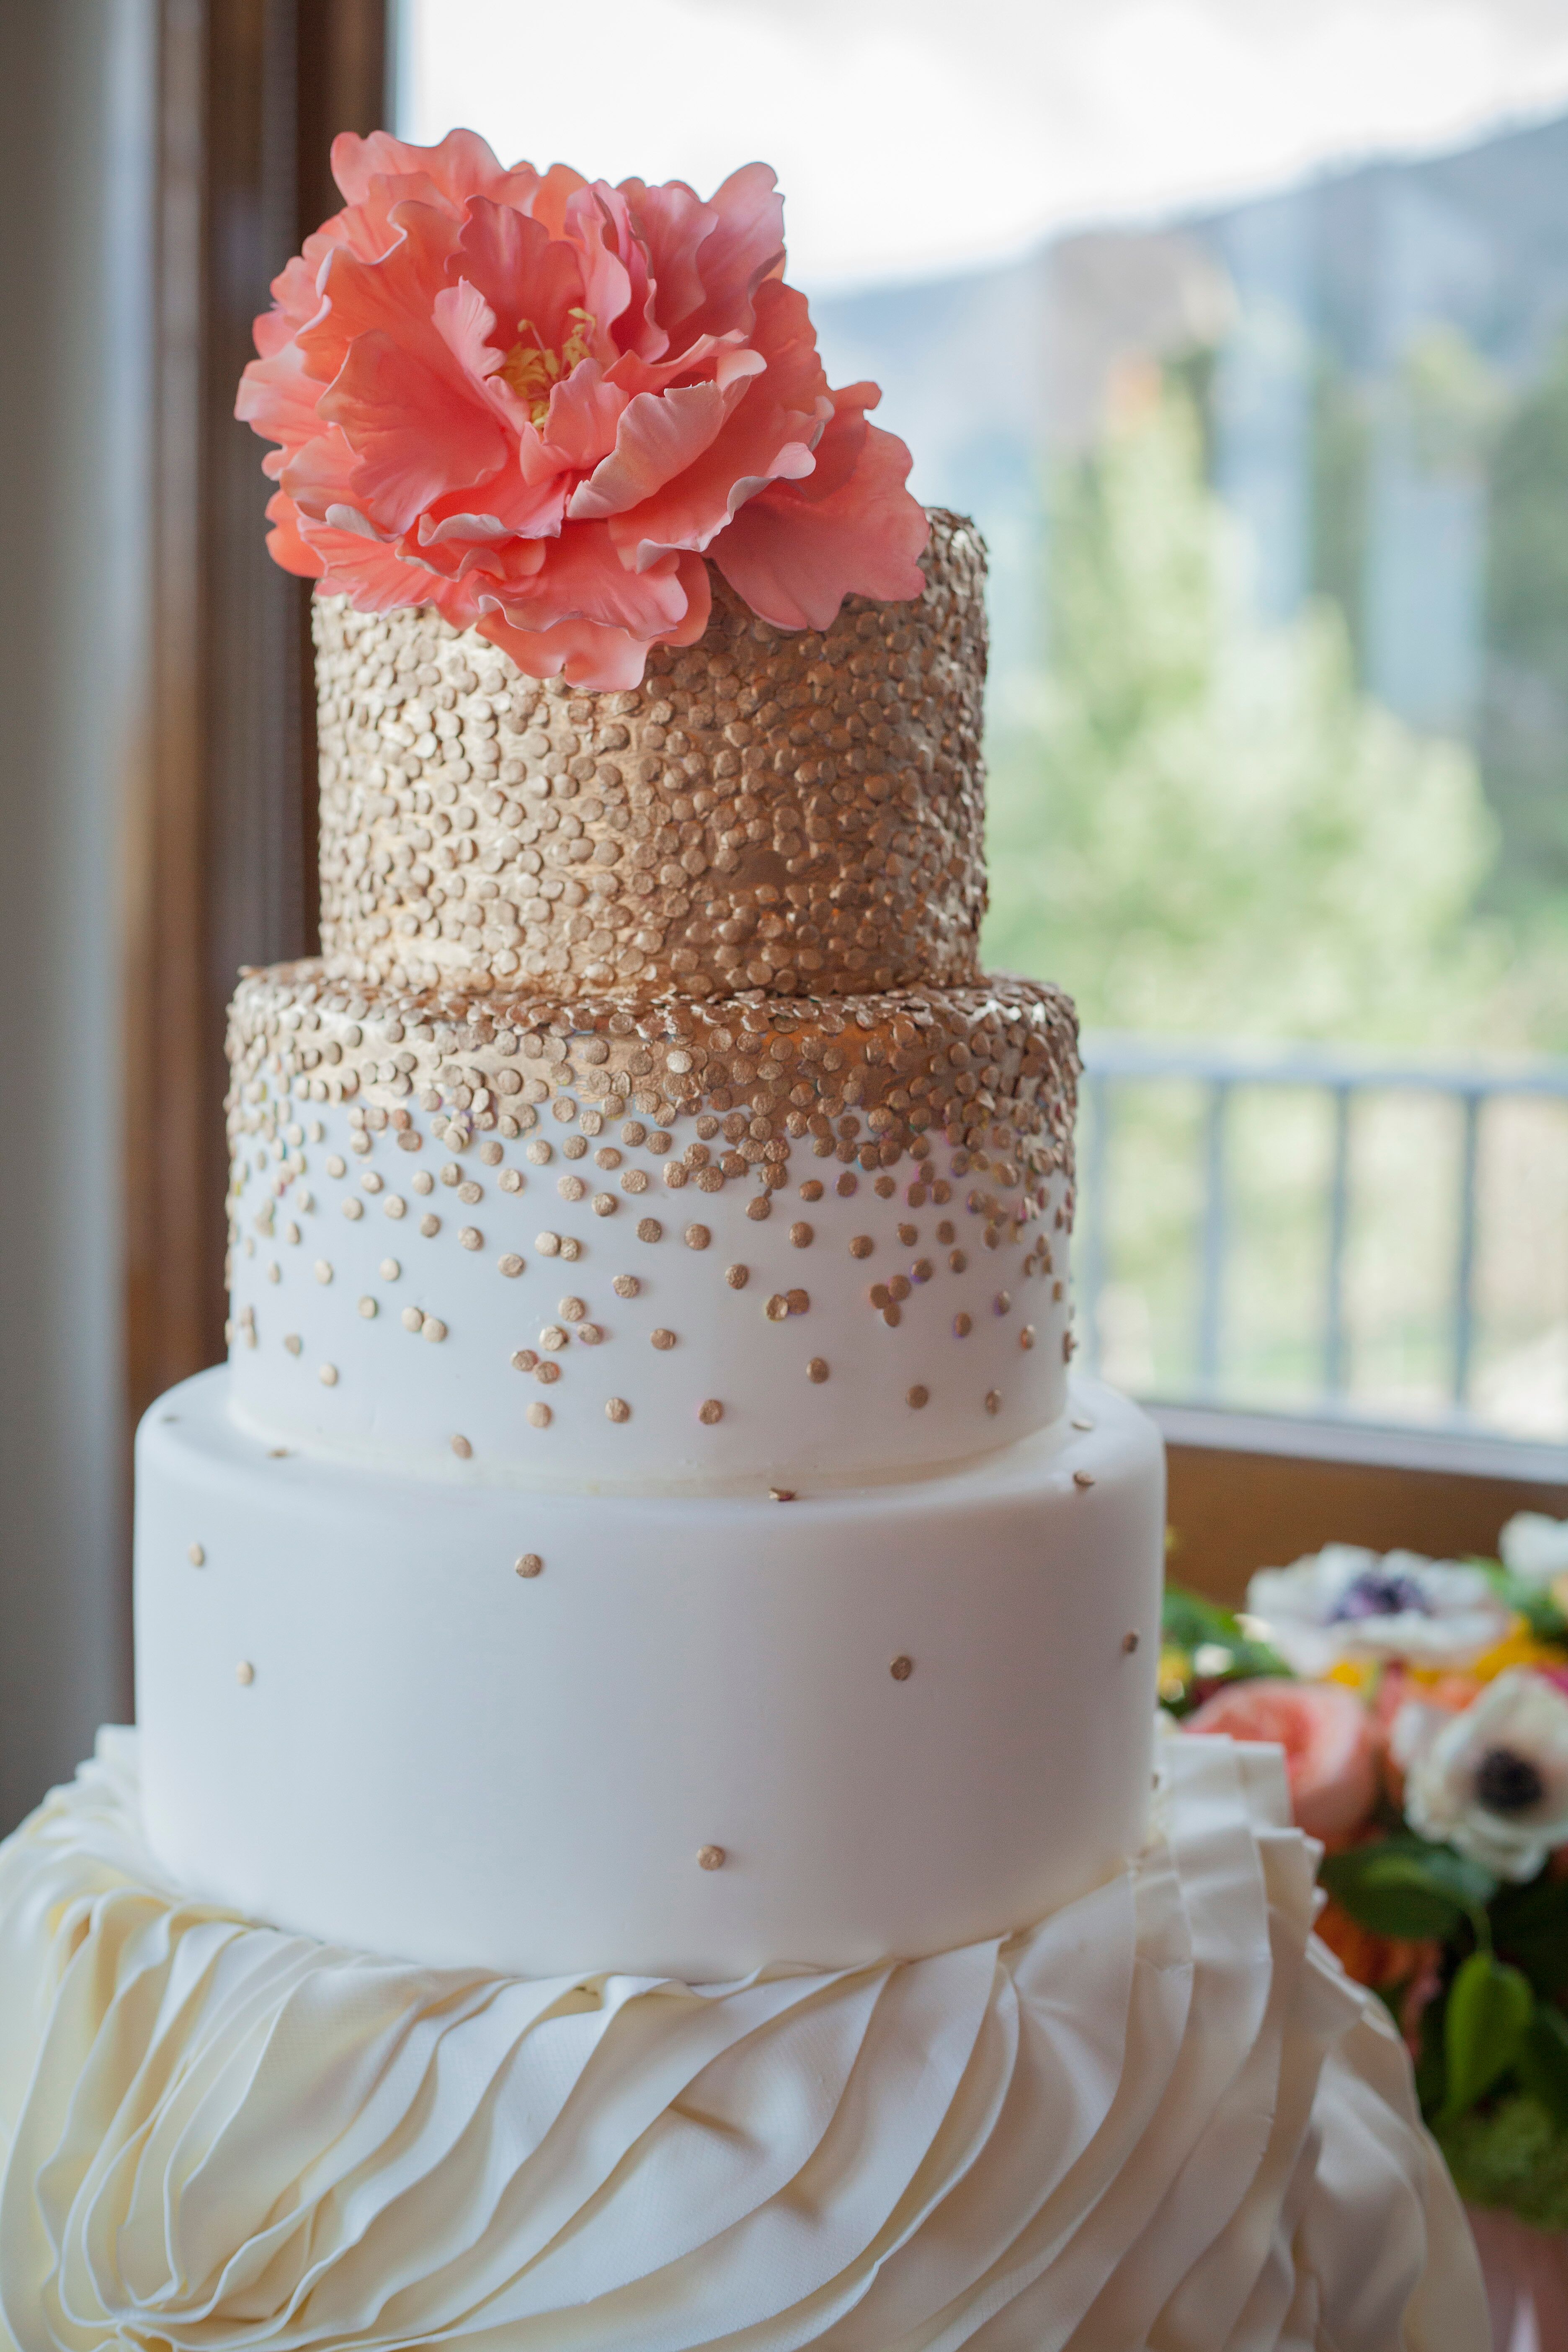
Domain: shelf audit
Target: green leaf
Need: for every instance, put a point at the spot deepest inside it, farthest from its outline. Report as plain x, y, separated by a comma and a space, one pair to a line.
1529, 1925
1542, 2060
1404, 1887
1489, 2014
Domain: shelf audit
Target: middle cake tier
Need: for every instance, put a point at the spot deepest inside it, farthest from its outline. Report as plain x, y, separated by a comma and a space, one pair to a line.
591, 1245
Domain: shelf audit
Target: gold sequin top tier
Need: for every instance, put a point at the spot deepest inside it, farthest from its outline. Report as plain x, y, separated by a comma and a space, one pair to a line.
796, 812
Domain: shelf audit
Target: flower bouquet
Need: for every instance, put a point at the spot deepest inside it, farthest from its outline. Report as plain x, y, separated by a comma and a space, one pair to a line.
1422, 1708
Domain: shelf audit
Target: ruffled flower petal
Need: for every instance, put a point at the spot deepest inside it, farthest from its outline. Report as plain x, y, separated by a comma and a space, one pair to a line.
467, 360
794, 560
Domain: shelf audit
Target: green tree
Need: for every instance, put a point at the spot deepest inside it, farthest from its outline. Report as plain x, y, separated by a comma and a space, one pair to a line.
1201, 824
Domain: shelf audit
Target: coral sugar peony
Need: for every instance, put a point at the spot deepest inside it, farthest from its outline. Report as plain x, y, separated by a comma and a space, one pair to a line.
1330, 1756
536, 403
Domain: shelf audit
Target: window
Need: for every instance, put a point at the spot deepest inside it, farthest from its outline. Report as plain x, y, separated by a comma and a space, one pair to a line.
1244, 335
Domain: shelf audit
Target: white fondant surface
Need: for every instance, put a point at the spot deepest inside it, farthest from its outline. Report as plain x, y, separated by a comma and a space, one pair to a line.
439, 1759
1160, 2118
303, 1274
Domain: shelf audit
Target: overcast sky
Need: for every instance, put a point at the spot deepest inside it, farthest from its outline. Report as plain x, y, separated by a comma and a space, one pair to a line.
913, 135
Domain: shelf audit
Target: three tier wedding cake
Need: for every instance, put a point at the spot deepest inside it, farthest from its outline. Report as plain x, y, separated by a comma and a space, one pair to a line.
646, 1826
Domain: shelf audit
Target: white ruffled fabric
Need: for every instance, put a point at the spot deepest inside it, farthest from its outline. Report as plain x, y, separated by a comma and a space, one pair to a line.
1162, 2117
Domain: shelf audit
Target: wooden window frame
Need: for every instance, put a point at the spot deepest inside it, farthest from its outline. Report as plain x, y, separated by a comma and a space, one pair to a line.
220, 863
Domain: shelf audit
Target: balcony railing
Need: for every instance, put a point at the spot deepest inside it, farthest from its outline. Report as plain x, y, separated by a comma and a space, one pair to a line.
1470, 1218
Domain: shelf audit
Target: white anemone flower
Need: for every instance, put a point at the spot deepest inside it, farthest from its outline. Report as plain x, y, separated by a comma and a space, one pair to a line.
1347, 1603
1494, 1781
1534, 1548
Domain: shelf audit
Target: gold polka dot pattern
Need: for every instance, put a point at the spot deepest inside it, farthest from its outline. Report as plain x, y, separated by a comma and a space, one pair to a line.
799, 812
864, 1080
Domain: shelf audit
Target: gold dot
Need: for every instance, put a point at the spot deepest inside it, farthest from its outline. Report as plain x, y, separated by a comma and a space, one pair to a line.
323, 1271
531, 1564
781, 1493
962, 1326
919, 1397
892, 1315
709, 1857
433, 1328
245, 1674
605, 1204
777, 1308
538, 1416
413, 1319
898, 1287
390, 1269
1083, 1424
196, 1556
957, 1260
571, 1310
1001, 1304
1083, 1477
649, 1230
293, 1342
663, 1339
617, 1409
462, 1449
1128, 1644
368, 1308
697, 1237
760, 1207
328, 1376
737, 1277
1027, 1337
471, 1238
993, 1400
710, 1411
801, 1235
812, 1191
880, 1294
548, 1244
861, 1247
901, 1669
510, 1265
817, 1369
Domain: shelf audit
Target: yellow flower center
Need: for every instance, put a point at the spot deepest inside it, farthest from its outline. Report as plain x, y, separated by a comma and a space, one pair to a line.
532, 369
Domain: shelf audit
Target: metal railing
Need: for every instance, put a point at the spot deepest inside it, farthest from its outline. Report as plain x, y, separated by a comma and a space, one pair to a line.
1115, 1062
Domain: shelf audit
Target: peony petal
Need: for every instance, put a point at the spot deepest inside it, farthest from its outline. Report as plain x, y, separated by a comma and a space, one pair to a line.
583, 579
580, 428
284, 542
548, 201
414, 437
600, 660
737, 254
279, 400
522, 272
659, 435
794, 562
596, 223
395, 295
670, 222
461, 166
320, 474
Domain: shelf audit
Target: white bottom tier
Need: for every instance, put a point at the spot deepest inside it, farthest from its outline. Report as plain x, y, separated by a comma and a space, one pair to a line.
895, 1718
1162, 2117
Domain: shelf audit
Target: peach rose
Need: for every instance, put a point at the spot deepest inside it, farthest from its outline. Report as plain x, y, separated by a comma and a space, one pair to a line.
1331, 1754
536, 403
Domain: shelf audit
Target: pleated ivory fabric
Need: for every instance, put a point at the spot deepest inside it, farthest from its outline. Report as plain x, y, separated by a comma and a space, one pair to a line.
1161, 2118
